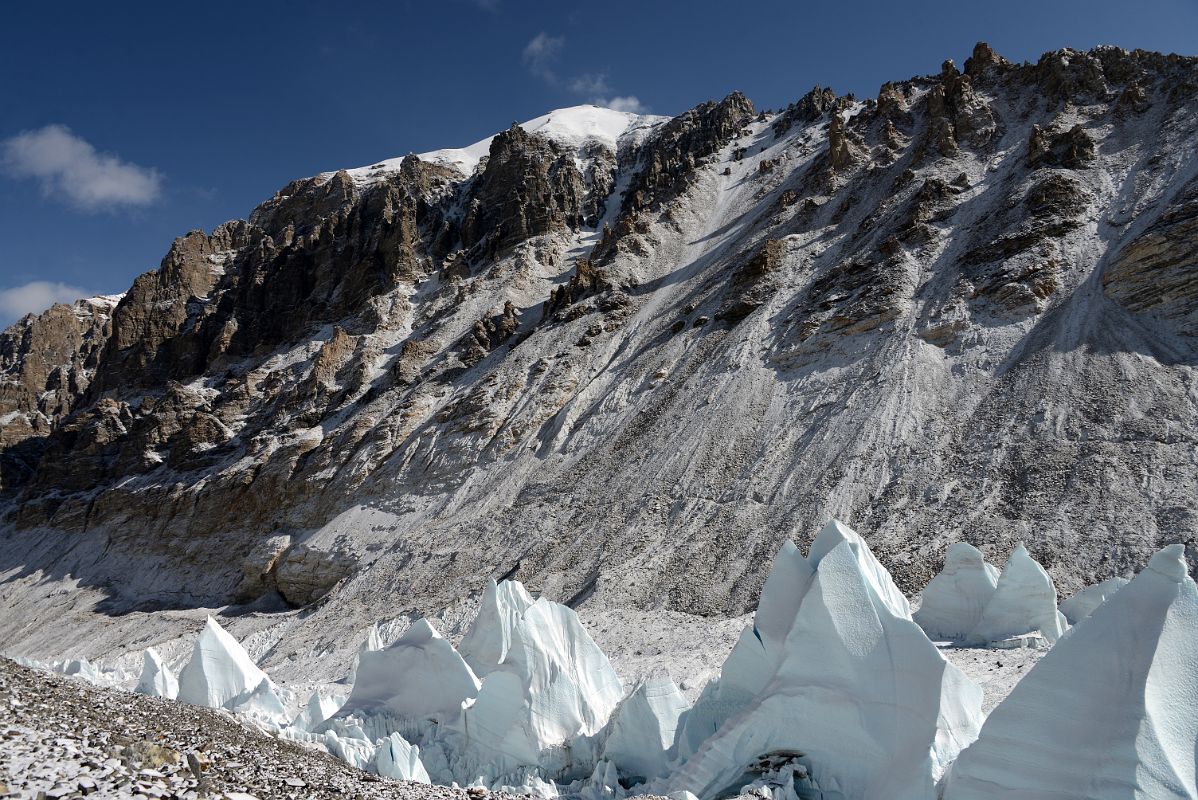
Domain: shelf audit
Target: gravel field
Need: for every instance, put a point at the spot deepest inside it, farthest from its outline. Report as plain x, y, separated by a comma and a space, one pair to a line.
62, 738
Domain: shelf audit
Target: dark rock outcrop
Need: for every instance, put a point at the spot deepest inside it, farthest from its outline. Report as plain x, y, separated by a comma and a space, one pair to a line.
670, 157
1157, 272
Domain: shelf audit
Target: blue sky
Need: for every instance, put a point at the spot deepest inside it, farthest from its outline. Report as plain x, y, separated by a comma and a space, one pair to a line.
123, 125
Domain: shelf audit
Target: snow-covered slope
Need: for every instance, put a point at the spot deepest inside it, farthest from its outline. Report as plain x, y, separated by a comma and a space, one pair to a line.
574, 128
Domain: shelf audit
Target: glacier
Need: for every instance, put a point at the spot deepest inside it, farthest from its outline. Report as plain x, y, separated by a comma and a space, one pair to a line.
834, 691
953, 602
1110, 712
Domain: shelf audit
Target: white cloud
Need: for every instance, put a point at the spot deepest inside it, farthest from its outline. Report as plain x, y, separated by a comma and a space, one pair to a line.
69, 167
626, 103
36, 296
541, 56
541, 53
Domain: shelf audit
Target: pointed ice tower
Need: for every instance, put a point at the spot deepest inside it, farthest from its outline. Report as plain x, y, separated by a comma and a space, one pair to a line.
371, 644
643, 727
396, 758
860, 695
953, 601
316, 711
1110, 712
545, 682
220, 672
755, 658
419, 676
1025, 601
156, 679
485, 645
1082, 604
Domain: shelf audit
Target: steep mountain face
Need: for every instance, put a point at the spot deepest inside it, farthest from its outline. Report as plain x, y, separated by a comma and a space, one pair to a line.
621, 358
47, 362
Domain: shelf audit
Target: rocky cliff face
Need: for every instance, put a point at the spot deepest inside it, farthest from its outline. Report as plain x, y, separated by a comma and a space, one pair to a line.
47, 362
623, 371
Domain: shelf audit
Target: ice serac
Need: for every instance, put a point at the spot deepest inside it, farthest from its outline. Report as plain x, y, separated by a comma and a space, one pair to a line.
1082, 604
220, 672
83, 669
860, 692
1110, 712
546, 684
643, 728
757, 653
265, 704
1025, 601
396, 758
316, 711
954, 600
371, 644
485, 645
419, 676
157, 679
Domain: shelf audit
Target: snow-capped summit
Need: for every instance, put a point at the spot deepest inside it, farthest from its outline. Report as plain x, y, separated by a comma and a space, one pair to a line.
575, 127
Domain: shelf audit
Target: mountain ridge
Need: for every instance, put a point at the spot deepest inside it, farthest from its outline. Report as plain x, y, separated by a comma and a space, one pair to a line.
962, 310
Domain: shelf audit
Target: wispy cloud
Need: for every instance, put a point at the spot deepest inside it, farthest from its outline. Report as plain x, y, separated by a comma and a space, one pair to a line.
625, 103
542, 55
69, 167
590, 83
36, 296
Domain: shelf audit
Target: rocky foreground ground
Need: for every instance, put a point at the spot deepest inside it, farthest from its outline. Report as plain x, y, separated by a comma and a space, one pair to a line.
63, 738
